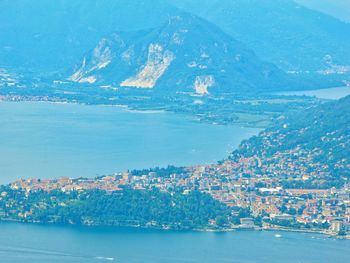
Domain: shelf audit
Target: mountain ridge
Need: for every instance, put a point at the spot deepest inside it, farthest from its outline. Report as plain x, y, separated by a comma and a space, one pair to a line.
299, 40
186, 52
46, 35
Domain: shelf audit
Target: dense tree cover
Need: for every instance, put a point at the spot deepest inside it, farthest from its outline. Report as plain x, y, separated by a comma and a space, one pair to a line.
121, 208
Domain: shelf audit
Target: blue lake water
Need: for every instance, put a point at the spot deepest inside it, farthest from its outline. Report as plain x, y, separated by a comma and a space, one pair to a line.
51, 140
50, 244
331, 94
48, 140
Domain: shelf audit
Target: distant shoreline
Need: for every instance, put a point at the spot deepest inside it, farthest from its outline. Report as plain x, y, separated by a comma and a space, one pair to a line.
334, 93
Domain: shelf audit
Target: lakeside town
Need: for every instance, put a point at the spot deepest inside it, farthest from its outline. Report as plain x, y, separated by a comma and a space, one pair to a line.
293, 176
271, 206
175, 131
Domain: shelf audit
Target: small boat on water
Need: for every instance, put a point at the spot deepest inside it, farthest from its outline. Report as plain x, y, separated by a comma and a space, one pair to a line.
278, 235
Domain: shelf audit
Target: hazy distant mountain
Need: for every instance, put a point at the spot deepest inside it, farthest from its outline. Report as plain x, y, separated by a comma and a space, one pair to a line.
186, 54
44, 35
297, 39
337, 8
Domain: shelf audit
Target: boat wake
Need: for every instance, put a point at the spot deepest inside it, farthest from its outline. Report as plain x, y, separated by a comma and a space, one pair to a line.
105, 258
47, 253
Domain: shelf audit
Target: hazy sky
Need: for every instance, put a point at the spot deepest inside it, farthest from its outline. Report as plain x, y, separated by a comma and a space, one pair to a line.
337, 8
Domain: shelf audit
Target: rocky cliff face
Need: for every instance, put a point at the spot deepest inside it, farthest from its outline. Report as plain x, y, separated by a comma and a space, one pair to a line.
186, 54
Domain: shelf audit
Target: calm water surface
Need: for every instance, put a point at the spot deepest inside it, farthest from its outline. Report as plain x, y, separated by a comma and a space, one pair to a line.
53, 140
331, 94
42, 244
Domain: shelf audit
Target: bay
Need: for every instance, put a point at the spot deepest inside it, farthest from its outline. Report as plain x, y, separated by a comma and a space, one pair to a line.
47, 140
20, 243
330, 94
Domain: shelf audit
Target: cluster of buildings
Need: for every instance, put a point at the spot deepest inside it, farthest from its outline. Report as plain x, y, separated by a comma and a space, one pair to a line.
265, 197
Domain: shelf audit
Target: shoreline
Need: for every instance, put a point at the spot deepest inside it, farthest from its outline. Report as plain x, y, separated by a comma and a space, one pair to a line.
130, 108
193, 117
204, 230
